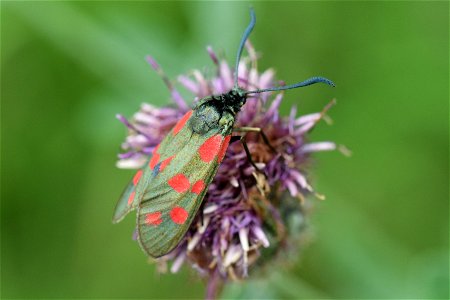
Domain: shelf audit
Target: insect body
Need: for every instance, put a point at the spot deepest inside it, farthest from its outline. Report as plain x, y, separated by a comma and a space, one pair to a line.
169, 190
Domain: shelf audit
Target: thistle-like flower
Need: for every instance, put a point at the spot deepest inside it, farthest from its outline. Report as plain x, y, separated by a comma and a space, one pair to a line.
247, 214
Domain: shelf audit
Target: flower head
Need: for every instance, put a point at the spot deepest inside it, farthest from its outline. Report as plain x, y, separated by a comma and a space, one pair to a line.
247, 213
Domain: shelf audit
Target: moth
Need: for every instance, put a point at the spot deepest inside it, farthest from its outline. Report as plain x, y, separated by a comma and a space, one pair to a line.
168, 190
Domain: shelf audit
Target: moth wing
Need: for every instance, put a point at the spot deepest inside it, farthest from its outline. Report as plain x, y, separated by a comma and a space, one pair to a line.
132, 194
171, 199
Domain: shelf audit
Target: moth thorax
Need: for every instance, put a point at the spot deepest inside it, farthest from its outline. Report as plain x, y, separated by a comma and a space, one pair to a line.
205, 118
226, 122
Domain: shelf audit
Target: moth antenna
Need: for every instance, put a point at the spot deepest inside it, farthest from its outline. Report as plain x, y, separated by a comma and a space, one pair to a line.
309, 81
247, 32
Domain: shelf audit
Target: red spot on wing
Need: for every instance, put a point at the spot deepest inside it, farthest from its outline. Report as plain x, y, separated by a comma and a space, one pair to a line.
156, 149
154, 160
198, 187
131, 197
137, 177
181, 123
223, 148
178, 215
209, 149
179, 183
153, 218
166, 162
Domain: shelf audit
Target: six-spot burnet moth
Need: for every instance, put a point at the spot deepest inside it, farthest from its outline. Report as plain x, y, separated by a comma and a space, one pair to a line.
169, 190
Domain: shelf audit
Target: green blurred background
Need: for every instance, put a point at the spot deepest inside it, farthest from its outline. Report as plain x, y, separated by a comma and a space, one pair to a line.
67, 68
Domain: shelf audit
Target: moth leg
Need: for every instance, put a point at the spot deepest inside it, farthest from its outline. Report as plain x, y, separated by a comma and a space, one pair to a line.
235, 138
249, 156
202, 206
260, 132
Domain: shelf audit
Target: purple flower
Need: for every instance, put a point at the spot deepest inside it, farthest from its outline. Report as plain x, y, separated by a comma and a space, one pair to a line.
247, 215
